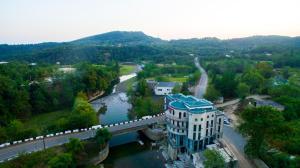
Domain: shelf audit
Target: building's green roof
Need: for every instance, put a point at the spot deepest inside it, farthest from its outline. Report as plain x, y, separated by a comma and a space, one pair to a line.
189, 103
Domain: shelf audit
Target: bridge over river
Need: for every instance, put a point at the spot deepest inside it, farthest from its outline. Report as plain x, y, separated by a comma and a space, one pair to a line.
12, 150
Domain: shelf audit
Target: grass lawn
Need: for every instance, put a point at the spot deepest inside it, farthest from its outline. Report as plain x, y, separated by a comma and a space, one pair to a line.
171, 79
42, 121
126, 69
177, 79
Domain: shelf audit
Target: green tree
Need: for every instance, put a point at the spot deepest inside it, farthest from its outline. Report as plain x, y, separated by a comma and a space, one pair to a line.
142, 88
102, 137
211, 93
185, 88
265, 69
74, 146
213, 159
226, 84
243, 90
63, 160
176, 89
254, 80
260, 125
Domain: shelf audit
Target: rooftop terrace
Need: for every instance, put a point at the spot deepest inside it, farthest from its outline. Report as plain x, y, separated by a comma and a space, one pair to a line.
189, 103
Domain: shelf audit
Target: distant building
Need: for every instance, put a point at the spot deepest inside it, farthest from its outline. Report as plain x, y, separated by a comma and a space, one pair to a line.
164, 88
191, 123
260, 103
279, 80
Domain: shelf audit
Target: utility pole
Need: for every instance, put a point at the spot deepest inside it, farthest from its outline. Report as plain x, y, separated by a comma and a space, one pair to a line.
44, 143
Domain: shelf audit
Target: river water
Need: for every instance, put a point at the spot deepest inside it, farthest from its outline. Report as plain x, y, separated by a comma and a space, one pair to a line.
125, 151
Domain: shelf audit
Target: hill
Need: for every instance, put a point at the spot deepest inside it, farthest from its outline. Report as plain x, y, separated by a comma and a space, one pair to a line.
119, 38
130, 46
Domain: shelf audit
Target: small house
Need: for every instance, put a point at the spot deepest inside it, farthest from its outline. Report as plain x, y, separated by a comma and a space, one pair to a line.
164, 88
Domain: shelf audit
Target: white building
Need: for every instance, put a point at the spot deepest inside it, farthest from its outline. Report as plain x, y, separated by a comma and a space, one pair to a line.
164, 88
191, 123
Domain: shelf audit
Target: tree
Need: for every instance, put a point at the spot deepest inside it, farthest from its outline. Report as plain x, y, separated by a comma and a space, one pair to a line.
260, 125
185, 88
254, 80
64, 160
142, 88
226, 84
243, 90
211, 93
265, 69
213, 159
176, 89
74, 146
102, 137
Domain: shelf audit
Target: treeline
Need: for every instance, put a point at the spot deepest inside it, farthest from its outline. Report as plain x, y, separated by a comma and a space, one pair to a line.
238, 78
28, 90
142, 102
278, 140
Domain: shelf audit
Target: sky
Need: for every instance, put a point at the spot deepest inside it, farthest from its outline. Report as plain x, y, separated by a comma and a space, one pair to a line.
35, 21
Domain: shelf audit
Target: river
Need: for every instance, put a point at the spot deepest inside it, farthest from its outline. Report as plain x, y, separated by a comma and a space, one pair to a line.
125, 151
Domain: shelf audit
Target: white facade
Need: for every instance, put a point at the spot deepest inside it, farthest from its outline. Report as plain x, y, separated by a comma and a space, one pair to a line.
191, 123
163, 90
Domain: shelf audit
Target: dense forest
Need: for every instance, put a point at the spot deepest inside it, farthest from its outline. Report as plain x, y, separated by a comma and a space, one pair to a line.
28, 90
129, 46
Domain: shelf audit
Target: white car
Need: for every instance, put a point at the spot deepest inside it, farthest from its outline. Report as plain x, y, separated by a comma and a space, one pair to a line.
15, 142
30, 139
76, 130
2, 145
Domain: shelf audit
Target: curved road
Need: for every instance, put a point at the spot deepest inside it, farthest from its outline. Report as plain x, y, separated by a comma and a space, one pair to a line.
233, 140
202, 85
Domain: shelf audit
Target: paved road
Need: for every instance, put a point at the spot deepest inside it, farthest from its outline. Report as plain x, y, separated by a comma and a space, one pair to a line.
202, 85
235, 101
37, 145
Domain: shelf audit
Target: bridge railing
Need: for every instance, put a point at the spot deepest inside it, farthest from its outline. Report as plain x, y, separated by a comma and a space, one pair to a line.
95, 127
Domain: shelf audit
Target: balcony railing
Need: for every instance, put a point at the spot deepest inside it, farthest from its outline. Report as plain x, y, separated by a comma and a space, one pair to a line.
171, 116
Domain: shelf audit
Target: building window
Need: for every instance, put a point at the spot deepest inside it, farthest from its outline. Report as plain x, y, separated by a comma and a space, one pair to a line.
195, 127
177, 123
220, 120
194, 136
201, 119
199, 136
207, 122
219, 128
206, 132
199, 128
212, 115
212, 122
207, 116
196, 119
184, 114
173, 112
179, 115
211, 132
